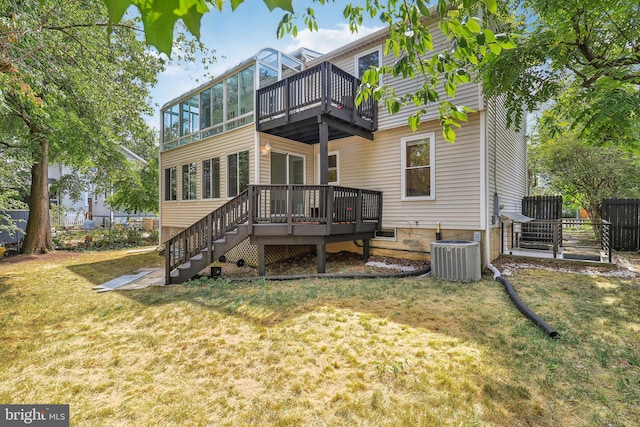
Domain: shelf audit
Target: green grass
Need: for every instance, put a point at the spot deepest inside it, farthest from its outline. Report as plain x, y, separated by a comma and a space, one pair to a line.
387, 352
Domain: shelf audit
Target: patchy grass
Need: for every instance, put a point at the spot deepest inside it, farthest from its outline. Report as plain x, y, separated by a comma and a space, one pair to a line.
317, 352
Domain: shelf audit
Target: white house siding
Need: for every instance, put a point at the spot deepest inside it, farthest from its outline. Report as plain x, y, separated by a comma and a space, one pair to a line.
376, 165
284, 145
468, 95
180, 214
506, 159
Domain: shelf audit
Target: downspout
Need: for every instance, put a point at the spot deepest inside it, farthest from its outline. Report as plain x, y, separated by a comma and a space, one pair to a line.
524, 309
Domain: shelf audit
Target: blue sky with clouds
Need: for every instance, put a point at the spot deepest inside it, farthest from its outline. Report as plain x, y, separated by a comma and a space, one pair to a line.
235, 36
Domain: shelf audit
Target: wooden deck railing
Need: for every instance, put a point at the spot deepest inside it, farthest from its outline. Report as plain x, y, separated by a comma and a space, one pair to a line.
314, 204
324, 205
191, 241
325, 86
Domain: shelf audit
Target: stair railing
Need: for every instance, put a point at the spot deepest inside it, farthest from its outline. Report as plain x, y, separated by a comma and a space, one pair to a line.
200, 235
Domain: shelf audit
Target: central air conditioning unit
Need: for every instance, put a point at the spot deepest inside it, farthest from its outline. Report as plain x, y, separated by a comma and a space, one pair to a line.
456, 260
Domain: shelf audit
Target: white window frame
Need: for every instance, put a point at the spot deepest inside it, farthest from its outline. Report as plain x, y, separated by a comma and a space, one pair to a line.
431, 136
167, 183
356, 71
202, 186
331, 153
227, 177
192, 180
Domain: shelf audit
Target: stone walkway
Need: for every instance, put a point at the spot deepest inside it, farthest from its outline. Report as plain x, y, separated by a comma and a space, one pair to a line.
142, 278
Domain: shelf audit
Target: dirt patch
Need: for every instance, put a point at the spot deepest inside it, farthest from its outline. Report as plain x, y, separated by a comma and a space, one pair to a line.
48, 257
626, 265
337, 263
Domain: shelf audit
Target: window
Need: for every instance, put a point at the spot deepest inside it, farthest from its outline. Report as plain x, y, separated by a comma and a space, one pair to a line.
189, 181
226, 105
237, 173
418, 173
190, 115
211, 178
386, 234
205, 108
367, 60
333, 171
245, 91
171, 184
217, 103
232, 97
267, 75
171, 122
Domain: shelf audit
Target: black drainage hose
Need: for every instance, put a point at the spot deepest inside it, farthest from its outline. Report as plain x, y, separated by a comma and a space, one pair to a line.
524, 309
418, 272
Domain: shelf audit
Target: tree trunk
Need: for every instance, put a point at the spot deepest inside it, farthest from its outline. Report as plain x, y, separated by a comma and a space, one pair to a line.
38, 233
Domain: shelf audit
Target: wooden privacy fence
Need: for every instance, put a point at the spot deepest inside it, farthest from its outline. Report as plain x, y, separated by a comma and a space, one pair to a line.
541, 208
624, 216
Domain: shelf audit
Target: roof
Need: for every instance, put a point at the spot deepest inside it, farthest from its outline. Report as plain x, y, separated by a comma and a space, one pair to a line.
514, 217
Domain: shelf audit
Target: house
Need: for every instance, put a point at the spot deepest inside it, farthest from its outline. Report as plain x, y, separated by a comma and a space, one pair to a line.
319, 171
92, 201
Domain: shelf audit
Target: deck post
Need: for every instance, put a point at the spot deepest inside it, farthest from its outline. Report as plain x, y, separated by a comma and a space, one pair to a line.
556, 224
366, 249
261, 263
324, 152
289, 209
167, 261
210, 237
322, 257
358, 208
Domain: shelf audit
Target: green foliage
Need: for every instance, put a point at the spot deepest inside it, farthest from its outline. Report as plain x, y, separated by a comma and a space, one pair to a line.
136, 190
583, 172
70, 91
588, 48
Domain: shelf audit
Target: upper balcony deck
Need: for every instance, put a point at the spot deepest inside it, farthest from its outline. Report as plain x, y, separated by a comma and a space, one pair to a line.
293, 107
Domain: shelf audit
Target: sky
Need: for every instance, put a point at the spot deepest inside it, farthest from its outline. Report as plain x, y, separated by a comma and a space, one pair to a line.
235, 36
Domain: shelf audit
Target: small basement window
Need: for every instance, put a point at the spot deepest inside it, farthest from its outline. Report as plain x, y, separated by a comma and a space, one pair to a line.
386, 234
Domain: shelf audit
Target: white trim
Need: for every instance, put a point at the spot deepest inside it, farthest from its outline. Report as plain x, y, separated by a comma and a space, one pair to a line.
365, 53
256, 170
484, 197
431, 136
330, 153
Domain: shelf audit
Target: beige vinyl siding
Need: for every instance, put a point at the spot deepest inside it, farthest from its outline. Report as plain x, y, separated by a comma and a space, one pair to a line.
286, 146
468, 94
181, 213
376, 165
507, 160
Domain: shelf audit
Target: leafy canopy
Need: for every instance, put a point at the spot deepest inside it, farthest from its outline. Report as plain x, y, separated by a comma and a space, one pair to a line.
590, 48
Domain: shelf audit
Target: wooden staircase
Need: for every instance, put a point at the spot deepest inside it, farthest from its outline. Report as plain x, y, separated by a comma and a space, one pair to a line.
196, 247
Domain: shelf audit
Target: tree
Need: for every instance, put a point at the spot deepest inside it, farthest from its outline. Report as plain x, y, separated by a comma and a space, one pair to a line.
467, 23
139, 194
583, 172
69, 92
583, 50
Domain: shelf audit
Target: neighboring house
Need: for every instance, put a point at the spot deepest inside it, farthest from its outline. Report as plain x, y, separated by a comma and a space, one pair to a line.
279, 119
92, 203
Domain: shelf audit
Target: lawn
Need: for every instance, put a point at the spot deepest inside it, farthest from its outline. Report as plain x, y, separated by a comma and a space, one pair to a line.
383, 352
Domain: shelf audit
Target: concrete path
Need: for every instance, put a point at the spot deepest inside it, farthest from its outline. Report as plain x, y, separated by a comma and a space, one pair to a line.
142, 278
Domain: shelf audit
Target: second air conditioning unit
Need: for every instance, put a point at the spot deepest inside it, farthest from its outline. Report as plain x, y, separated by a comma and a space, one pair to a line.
456, 260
